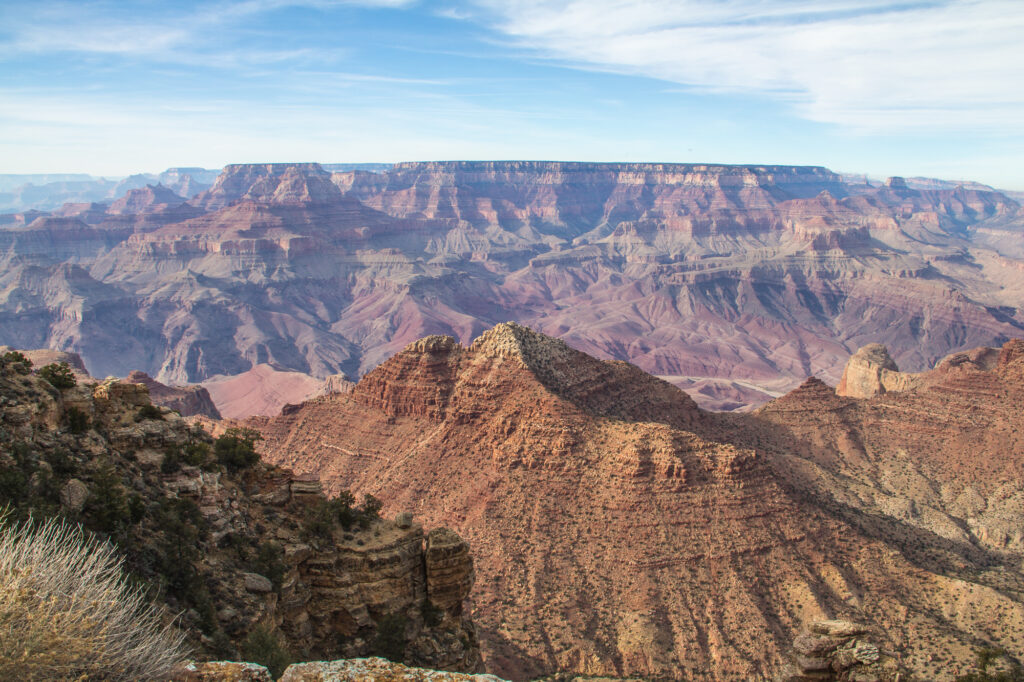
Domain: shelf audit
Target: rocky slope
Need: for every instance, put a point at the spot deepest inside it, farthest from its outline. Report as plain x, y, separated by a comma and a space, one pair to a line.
736, 280
619, 530
943, 452
247, 553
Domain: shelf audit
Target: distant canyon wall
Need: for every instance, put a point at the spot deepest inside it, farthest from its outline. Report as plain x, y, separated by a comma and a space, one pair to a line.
735, 282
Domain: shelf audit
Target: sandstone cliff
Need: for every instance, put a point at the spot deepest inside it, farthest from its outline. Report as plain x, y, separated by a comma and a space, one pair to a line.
870, 371
618, 530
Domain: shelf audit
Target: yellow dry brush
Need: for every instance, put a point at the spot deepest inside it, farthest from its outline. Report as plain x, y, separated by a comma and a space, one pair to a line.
67, 611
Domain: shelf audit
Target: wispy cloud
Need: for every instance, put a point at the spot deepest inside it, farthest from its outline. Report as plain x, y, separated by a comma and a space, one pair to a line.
864, 64
159, 31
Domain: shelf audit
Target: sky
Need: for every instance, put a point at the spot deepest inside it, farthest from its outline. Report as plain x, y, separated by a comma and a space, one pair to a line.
931, 88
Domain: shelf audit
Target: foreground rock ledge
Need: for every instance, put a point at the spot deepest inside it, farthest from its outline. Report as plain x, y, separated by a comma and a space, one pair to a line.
351, 670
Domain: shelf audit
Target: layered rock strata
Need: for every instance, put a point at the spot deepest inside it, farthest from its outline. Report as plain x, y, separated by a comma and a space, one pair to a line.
738, 281
620, 531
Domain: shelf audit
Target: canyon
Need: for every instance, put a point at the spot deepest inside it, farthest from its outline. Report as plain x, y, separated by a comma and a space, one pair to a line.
732, 282
620, 530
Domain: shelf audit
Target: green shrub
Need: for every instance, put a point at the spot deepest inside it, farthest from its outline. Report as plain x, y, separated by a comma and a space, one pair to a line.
107, 508
67, 611
78, 421
58, 374
270, 563
263, 646
17, 361
172, 460
369, 511
149, 412
198, 455
390, 640
322, 517
236, 449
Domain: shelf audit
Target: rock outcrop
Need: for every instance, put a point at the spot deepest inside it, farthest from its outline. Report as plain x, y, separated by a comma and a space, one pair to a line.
372, 670
838, 651
350, 670
233, 545
871, 371
145, 200
186, 400
938, 456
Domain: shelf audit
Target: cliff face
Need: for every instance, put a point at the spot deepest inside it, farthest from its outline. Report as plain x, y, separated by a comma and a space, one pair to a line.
618, 530
870, 371
230, 547
939, 452
737, 280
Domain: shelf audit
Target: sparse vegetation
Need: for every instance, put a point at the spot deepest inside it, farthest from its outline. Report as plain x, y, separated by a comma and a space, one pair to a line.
78, 421
17, 361
236, 449
149, 412
263, 646
195, 454
390, 641
988, 656
269, 563
67, 611
340, 511
58, 374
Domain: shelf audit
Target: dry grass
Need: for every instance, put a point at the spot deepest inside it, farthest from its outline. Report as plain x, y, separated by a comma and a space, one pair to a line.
67, 612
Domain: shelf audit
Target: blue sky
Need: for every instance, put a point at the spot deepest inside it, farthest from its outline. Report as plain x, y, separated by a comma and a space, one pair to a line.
930, 88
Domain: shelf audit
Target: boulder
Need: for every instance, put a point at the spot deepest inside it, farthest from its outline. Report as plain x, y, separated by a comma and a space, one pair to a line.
73, 495
254, 582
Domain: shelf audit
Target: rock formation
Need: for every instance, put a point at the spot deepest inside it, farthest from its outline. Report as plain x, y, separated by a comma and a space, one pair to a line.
232, 545
619, 531
836, 651
186, 400
871, 371
738, 281
940, 456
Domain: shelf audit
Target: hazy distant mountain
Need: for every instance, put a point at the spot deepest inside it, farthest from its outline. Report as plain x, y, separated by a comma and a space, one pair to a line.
47, 192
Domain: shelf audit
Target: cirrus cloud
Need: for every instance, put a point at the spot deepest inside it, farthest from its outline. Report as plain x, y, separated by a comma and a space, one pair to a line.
863, 64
